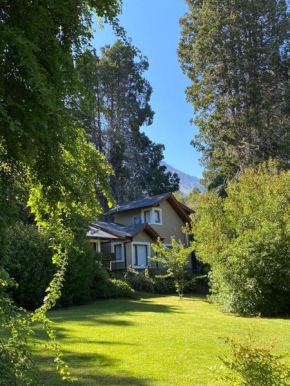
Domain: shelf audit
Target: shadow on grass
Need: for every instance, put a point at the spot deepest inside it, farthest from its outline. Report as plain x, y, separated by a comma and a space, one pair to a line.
84, 377
100, 310
106, 312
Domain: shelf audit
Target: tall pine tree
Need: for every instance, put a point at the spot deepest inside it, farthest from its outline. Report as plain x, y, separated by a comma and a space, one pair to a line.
236, 53
119, 106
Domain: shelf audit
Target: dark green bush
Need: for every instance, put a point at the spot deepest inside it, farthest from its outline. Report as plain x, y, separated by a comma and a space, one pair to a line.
29, 263
139, 280
120, 289
100, 285
79, 276
158, 281
103, 287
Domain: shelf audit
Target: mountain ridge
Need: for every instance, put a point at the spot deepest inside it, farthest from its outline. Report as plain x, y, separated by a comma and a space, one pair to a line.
187, 182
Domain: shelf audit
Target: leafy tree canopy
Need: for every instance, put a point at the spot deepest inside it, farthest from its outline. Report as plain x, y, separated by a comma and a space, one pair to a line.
44, 152
246, 240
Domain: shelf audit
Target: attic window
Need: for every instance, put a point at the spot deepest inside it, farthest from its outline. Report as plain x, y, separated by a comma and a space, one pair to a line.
147, 216
152, 216
157, 219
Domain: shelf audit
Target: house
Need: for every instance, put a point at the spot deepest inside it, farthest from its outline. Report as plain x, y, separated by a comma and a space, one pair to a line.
129, 230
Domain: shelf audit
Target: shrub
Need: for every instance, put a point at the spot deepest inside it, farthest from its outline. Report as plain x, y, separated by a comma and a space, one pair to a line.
246, 239
100, 284
192, 281
104, 287
254, 365
79, 276
29, 263
140, 281
158, 281
174, 259
120, 289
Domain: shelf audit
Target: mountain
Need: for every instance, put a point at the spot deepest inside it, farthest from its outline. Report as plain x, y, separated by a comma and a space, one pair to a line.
187, 182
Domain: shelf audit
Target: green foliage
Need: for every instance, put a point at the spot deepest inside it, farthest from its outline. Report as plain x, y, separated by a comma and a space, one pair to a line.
115, 107
104, 287
246, 239
140, 281
120, 289
174, 259
79, 274
254, 365
29, 264
160, 282
43, 151
236, 54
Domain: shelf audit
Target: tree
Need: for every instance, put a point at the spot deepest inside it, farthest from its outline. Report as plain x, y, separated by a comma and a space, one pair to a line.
246, 240
174, 259
44, 153
119, 98
236, 54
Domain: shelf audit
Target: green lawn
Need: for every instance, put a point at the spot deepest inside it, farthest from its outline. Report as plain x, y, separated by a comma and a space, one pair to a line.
155, 340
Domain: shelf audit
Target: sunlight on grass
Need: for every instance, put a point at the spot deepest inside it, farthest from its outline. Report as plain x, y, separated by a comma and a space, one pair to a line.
155, 340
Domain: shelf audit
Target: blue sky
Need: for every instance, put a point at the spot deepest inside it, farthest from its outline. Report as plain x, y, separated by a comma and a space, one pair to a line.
154, 28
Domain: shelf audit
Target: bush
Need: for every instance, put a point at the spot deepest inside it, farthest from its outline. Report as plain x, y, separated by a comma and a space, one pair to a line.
29, 263
104, 287
245, 238
253, 365
158, 281
120, 289
79, 276
140, 281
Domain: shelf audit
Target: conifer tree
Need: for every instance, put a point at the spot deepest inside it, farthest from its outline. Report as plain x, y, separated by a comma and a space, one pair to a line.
119, 106
236, 53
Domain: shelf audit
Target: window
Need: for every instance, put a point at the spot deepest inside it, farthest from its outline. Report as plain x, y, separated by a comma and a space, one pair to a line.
118, 250
97, 245
152, 216
140, 252
157, 219
147, 216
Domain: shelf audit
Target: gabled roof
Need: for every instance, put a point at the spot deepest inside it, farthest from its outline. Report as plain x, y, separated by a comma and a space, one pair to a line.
123, 231
182, 210
97, 233
143, 203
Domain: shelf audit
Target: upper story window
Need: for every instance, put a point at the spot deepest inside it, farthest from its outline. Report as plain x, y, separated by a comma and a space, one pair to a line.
157, 217
152, 216
147, 216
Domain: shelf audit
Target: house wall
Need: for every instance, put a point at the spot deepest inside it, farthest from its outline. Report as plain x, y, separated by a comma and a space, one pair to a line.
126, 217
107, 247
142, 237
171, 226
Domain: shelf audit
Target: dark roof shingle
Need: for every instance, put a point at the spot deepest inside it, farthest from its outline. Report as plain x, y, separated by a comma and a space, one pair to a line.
124, 231
143, 203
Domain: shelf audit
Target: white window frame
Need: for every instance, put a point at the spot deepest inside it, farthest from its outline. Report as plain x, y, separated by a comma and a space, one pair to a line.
122, 251
98, 245
151, 210
133, 254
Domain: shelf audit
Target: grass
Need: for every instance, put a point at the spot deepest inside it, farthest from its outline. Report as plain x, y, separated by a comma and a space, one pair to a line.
154, 340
